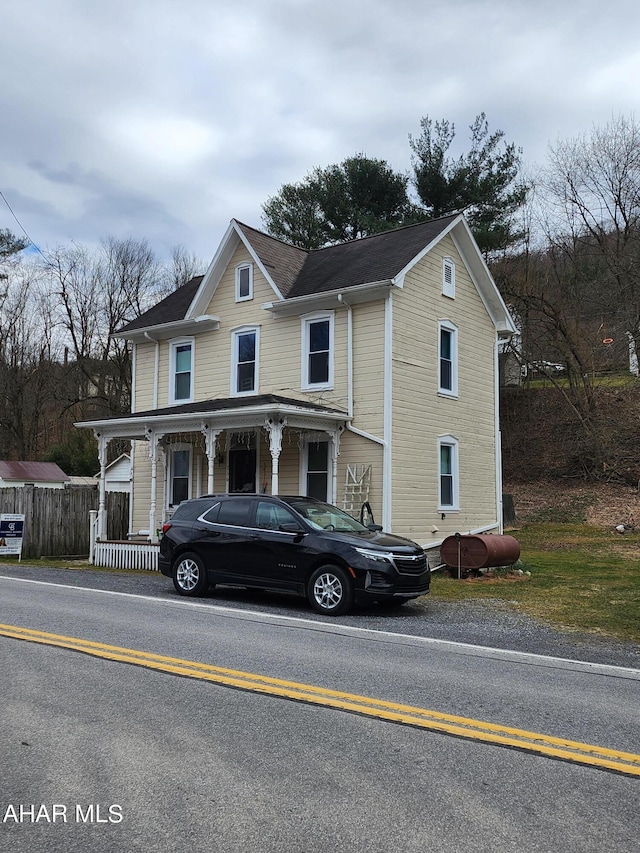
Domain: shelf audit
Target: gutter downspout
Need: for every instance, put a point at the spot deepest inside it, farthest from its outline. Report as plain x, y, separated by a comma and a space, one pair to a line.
132, 444
498, 435
154, 455
387, 479
383, 442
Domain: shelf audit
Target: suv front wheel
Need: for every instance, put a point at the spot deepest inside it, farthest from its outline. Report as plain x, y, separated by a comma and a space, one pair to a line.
330, 591
189, 575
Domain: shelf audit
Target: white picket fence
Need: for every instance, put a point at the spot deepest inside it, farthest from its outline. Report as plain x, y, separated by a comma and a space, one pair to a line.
127, 555
118, 554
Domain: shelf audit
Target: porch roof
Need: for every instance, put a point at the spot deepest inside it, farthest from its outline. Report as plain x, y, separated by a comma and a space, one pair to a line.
226, 413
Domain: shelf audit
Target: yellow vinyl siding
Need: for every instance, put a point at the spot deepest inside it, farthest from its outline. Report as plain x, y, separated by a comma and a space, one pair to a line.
356, 450
280, 346
368, 367
421, 414
141, 495
145, 376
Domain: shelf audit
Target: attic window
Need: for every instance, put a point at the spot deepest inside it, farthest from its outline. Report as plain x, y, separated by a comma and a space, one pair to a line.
448, 278
244, 282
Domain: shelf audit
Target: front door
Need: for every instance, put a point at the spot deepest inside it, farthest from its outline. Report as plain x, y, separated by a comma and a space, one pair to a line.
317, 473
242, 464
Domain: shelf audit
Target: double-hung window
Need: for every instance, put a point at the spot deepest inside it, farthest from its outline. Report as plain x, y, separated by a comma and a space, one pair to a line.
317, 352
244, 362
448, 475
244, 282
181, 371
447, 358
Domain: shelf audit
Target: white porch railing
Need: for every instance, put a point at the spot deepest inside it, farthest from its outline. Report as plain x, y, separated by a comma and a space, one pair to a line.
127, 555
121, 555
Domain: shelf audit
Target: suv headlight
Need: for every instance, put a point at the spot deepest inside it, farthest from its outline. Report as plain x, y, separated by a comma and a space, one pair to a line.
375, 556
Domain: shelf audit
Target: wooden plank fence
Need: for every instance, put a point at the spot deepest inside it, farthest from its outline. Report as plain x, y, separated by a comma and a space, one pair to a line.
57, 520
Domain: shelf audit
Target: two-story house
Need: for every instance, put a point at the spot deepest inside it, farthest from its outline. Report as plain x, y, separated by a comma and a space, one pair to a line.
367, 369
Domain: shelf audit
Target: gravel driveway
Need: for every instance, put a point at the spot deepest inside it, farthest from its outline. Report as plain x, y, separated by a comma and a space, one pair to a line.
480, 622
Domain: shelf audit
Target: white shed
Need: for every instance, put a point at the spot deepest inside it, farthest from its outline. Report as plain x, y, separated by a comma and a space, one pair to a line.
118, 475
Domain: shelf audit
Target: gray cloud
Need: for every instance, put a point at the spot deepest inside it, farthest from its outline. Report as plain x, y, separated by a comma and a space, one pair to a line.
163, 120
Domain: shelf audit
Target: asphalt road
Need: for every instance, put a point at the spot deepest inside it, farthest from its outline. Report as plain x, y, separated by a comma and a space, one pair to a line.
486, 623
159, 762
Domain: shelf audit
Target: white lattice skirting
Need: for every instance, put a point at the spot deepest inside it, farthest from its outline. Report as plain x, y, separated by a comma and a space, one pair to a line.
127, 555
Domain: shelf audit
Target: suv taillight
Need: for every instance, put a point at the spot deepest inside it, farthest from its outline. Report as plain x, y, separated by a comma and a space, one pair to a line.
166, 526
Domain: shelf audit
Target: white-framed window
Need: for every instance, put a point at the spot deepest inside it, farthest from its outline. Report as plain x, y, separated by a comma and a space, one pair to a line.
179, 474
317, 351
244, 282
447, 358
245, 348
181, 370
448, 277
315, 480
448, 474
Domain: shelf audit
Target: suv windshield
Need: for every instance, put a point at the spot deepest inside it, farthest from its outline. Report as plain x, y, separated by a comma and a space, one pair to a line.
326, 517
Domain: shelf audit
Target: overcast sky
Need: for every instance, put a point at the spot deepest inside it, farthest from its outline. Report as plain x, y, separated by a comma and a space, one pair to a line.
163, 119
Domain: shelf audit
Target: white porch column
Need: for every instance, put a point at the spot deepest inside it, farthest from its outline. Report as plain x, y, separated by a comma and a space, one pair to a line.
275, 427
154, 440
210, 436
335, 452
103, 443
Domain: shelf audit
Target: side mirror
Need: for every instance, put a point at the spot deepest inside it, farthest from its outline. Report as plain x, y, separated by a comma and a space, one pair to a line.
290, 527
374, 528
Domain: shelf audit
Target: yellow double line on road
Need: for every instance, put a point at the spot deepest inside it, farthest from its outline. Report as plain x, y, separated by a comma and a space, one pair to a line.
552, 747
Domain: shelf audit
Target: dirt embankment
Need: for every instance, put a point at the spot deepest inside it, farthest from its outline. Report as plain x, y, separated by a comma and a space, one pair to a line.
561, 469
546, 437
604, 504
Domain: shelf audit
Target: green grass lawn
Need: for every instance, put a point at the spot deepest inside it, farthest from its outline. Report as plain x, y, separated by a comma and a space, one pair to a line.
582, 578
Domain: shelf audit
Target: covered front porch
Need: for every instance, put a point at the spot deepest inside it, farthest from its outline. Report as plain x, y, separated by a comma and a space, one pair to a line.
266, 444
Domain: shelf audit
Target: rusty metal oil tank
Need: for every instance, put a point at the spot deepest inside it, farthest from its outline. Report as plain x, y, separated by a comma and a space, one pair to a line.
480, 551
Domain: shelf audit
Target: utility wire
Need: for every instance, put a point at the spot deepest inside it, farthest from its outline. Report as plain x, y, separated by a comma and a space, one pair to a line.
20, 225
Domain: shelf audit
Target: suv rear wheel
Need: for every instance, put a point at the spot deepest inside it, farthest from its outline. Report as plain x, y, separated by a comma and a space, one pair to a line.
189, 575
330, 591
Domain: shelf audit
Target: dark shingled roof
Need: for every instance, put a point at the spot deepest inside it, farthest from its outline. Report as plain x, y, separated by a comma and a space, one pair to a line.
282, 261
297, 272
223, 404
376, 258
172, 307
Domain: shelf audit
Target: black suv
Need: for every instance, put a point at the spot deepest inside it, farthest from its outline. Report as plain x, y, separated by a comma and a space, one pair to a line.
292, 544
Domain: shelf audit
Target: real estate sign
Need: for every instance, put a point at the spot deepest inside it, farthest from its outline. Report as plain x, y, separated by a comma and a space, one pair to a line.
11, 532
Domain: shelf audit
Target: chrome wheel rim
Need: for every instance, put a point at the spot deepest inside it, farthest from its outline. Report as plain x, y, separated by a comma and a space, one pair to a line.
187, 575
327, 591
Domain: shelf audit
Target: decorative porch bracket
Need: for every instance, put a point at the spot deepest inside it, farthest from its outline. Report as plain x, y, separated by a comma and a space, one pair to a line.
274, 428
154, 439
210, 436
